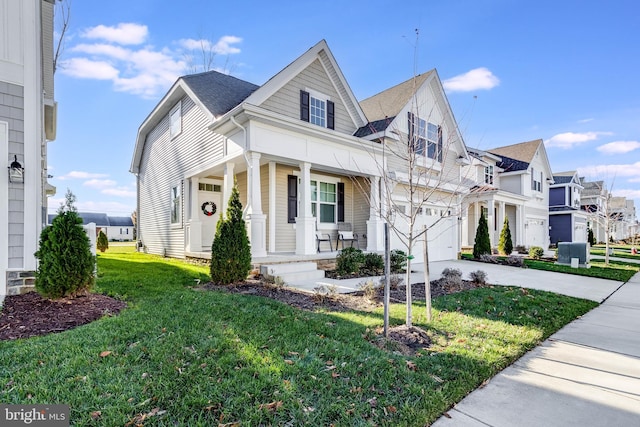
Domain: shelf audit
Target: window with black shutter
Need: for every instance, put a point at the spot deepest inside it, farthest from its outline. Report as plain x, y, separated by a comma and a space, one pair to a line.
304, 105
292, 198
331, 115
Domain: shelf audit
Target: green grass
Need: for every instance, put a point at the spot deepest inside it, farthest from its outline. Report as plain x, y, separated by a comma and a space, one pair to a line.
208, 357
616, 254
618, 271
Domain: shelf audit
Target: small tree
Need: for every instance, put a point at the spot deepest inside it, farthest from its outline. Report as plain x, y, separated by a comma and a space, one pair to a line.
482, 243
590, 237
230, 251
66, 265
103, 243
505, 245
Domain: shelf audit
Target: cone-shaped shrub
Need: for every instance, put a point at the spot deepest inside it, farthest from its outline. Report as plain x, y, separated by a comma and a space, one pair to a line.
230, 251
505, 245
66, 264
482, 244
103, 243
590, 237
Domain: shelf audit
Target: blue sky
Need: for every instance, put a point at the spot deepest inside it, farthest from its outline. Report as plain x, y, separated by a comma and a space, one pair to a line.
514, 71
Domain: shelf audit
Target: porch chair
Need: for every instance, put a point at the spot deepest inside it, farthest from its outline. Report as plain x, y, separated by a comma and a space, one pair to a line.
346, 234
323, 237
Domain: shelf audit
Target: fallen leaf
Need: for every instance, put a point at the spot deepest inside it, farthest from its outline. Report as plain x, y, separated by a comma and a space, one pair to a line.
392, 409
373, 402
294, 353
105, 353
335, 375
233, 424
446, 414
288, 361
96, 414
437, 379
273, 406
410, 365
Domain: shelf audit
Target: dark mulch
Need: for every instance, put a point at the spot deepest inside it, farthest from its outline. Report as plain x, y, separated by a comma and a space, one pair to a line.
29, 314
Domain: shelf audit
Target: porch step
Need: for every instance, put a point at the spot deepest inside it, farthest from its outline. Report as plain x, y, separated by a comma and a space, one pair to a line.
292, 272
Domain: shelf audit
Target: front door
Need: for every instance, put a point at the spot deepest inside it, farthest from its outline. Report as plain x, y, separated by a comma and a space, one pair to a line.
210, 202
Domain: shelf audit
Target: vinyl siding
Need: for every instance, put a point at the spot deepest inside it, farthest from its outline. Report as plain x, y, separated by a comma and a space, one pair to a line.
285, 233
163, 165
360, 190
47, 49
286, 101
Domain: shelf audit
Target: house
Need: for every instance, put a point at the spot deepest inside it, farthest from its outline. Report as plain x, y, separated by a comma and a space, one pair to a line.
27, 122
567, 222
509, 182
299, 147
594, 201
623, 213
116, 228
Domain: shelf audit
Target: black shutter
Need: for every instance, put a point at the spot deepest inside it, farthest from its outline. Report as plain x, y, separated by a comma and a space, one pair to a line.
292, 198
331, 115
341, 202
304, 105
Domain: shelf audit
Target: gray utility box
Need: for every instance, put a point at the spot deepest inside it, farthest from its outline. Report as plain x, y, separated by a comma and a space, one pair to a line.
576, 251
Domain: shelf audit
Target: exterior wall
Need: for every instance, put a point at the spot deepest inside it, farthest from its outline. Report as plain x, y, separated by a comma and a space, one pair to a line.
511, 183
287, 100
164, 164
120, 233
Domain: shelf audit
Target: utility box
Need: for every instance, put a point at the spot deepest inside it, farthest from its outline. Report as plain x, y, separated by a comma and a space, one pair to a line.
569, 251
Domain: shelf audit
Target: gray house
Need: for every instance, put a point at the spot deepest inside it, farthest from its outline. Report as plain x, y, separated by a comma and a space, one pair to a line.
567, 222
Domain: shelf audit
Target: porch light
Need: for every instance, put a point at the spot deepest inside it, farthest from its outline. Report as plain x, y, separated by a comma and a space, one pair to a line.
16, 172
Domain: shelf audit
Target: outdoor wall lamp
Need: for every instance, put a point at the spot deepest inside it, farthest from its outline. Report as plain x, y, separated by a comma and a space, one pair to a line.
16, 172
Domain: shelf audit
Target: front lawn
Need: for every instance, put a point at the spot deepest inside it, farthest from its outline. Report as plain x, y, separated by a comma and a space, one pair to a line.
616, 253
184, 356
618, 271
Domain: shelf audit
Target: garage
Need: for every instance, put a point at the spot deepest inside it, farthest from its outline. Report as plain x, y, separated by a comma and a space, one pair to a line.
442, 237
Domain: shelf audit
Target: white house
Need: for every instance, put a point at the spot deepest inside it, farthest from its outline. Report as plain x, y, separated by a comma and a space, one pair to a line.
298, 146
510, 182
116, 228
27, 122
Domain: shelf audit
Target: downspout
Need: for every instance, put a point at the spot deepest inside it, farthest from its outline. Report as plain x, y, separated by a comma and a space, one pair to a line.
249, 167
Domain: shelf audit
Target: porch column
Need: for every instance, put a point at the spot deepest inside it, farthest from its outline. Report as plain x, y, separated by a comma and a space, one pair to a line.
491, 221
256, 220
519, 226
195, 226
476, 219
501, 214
375, 224
305, 221
464, 224
228, 181
272, 206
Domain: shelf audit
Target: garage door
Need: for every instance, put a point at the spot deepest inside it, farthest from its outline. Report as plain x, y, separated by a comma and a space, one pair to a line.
536, 231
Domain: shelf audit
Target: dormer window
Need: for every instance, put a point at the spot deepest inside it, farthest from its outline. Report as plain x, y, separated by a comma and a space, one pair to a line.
317, 109
488, 174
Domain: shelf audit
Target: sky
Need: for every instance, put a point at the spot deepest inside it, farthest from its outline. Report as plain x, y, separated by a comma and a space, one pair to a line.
513, 71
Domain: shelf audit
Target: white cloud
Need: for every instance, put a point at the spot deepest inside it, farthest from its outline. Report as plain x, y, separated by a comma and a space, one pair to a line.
119, 192
619, 147
144, 71
568, 140
123, 33
110, 208
478, 78
81, 175
84, 68
99, 183
585, 120
628, 193
611, 172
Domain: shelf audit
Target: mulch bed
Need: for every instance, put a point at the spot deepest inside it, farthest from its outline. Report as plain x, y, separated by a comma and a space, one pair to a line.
29, 314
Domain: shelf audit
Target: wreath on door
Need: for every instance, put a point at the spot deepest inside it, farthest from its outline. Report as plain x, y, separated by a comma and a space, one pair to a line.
209, 208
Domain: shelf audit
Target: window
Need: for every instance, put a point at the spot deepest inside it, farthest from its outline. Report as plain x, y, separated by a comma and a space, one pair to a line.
175, 205
425, 138
324, 201
203, 186
536, 185
317, 109
488, 175
175, 120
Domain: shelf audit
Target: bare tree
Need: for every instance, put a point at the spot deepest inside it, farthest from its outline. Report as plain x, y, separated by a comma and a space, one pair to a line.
62, 15
202, 57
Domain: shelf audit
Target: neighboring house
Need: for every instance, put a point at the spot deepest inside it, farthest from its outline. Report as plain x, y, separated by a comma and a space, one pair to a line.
300, 148
416, 113
512, 182
567, 222
623, 214
593, 200
117, 228
27, 122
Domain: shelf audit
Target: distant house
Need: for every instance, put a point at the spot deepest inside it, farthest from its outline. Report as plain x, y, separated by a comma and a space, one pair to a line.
593, 200
117, 228
301, 149
567, 222
27, 123
509, 182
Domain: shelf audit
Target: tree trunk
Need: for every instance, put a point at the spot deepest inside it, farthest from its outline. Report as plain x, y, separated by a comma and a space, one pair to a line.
427, 282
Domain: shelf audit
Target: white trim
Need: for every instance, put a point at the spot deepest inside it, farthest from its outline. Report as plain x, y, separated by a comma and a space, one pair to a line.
4, 210
272, 206
177, 224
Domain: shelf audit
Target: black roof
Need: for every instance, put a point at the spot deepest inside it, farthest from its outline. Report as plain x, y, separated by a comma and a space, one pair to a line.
120, 221
562, 179
219, 92
511, 165
374, 127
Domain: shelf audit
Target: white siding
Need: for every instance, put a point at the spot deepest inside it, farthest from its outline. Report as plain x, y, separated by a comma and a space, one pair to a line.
163, 165
287, 100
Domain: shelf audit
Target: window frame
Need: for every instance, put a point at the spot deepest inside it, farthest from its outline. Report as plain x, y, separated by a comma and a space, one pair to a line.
488, 174
309, 100
175, 120
425, 137
317, 203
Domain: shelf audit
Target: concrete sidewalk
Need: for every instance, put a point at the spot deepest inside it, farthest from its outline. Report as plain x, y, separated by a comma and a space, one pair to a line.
587, 374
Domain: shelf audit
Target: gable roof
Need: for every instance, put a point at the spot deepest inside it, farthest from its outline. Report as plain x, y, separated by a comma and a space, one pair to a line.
219, 92
523, 151
390, 102
565, 177
509, 164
